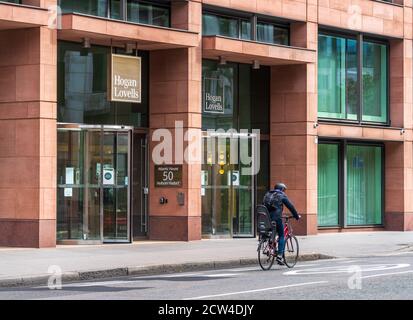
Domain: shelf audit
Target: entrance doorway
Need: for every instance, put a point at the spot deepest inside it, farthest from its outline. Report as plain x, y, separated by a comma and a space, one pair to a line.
94, 165
228, 191
140, 186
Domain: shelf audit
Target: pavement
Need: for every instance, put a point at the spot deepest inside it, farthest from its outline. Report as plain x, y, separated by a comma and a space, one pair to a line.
26, 267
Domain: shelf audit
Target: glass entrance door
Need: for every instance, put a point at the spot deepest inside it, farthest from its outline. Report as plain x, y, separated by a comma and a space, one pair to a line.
140, 188
226, 187
93, 184
115, 186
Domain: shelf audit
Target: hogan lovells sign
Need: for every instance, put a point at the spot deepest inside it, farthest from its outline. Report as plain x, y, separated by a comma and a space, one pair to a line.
125, 81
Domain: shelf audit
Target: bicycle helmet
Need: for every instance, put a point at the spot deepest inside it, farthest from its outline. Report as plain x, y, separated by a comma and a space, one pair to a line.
280, 186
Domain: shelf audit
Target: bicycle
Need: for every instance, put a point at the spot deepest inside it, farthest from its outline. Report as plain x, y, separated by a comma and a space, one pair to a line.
267, 251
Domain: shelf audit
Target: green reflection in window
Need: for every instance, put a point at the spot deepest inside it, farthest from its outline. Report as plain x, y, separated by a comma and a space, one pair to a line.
115, 9
374, 82
328, 187
91, 7
225, 26
337, 77
364, 185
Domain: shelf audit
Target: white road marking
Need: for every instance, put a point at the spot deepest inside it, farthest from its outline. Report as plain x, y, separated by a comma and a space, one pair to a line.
256, 290
219, 275
345, 269
113, 282
306, 265
386, 274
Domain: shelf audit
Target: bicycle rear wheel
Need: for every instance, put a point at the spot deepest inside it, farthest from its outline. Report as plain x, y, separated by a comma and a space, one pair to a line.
291, 251
265, 258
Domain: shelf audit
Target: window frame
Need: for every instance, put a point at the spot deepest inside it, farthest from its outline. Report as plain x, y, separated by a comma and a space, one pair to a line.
275, 24
342, 165
239, 19
236, 121
253, 19
339, 179
124, 10
74, 46
360, 39
165, 5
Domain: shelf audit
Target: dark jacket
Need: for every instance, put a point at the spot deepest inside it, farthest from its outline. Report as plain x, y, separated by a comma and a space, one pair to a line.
275, 200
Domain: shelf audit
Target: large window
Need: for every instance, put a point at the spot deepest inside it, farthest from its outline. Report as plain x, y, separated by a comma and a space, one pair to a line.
213, 24
328, 184
337, 78
353, 195
92, 7
149, 13
235, 96
352, 83
374, 82
270, 33
243, 92
364, 185
139, 11
242, 28
82, 88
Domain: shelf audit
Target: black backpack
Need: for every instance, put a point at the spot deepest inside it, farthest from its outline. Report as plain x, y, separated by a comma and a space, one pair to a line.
272, 200
263, 220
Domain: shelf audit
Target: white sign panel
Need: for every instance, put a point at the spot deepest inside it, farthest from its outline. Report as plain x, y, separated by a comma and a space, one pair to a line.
108, 176
68, 192
204, 178
70, 175
233, 178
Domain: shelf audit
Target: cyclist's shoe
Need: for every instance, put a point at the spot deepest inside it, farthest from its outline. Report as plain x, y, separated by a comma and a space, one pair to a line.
280, 260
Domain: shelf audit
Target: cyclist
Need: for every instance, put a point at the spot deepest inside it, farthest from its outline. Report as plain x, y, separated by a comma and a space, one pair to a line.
275, 200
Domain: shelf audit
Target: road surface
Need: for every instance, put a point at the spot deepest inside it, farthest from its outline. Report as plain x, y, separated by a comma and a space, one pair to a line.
388, 276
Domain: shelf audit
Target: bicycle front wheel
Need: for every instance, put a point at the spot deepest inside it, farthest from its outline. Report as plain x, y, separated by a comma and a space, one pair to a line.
291, 251
265, 258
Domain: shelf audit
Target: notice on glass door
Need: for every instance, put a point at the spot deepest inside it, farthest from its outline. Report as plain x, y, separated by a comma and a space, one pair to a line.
68, 192
70, 175
233, 178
